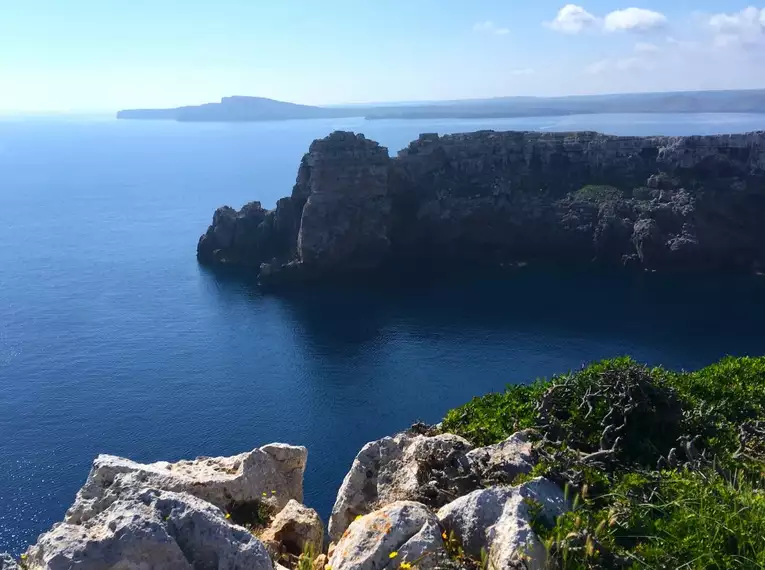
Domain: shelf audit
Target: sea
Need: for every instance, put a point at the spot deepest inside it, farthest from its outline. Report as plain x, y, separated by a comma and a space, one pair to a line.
114, 340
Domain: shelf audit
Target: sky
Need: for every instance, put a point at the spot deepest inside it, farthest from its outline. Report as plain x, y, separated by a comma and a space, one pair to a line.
88, 55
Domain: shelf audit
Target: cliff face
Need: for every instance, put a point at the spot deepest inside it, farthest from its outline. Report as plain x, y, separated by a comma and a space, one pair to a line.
660, 203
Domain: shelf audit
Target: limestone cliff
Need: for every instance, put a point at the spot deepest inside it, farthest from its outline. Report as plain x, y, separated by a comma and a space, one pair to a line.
692, 203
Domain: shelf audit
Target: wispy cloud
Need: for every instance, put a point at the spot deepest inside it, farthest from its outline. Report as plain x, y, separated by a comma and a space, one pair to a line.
489, 27
573, 19
646, 47
739, 29
524, 71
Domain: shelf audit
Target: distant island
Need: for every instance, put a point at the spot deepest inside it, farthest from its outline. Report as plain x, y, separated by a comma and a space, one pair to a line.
243, 109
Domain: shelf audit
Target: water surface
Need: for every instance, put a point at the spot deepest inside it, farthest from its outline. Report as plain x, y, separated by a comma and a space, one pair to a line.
114, 340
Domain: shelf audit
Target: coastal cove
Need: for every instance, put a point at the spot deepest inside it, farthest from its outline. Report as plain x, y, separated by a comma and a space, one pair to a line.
114, 340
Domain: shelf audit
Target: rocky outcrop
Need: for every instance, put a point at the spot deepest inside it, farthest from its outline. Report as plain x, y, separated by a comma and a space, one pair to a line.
421, 498
226, 482
690, 203
151, 530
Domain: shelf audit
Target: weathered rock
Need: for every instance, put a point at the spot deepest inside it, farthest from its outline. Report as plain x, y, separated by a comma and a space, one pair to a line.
150, 529
403, 527
296, 528
225, 482
432, 470
497, 520
320, 563
7, 562
494, 197
504, 461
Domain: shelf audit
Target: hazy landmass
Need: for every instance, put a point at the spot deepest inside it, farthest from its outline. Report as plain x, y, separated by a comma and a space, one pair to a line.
239, 108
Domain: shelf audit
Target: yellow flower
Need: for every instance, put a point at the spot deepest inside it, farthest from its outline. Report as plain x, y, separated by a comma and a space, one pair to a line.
228, 515
393, 554
265, 494
443, 535
405, 566
327, 567
23, 556
273, 492
358, 517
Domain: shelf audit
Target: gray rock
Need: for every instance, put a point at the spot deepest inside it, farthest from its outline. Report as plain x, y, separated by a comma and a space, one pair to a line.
7, 562
504, 461
406, 528
225, 482
432, 470
498, 521
296, 528
150, 530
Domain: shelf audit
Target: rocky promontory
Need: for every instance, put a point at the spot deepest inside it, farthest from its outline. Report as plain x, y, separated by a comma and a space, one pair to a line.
657, 203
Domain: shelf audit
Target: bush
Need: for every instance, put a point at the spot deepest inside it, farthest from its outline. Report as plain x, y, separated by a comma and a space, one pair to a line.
667, 467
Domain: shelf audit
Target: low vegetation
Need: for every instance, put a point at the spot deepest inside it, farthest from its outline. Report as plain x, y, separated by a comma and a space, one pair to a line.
598, 193
665, 469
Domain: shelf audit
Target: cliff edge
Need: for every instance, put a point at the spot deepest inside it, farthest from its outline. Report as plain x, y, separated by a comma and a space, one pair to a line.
666, 203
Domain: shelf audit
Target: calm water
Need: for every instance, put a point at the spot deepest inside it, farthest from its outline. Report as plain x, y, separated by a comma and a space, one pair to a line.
113, 340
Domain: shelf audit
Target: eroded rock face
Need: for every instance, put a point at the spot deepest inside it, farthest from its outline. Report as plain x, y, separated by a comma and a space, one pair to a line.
149, 529
222, 481
655, 202
406, 467
407, 528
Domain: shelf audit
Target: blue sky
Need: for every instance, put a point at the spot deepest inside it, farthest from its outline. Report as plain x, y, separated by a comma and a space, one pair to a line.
111, 54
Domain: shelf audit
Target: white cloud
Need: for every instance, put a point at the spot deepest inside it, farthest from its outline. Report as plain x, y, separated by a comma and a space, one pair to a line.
645, 47
599, 67
739, 29
489, 27
572, 19
633, 19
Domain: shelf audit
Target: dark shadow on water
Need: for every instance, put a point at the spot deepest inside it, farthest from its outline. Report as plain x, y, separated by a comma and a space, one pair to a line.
705, 316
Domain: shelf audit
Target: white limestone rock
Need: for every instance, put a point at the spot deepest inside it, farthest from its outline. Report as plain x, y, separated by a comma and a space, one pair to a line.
407, 528
222, 481
7, 562
504, 460
498, 520
295, 528
432, 470
150, 529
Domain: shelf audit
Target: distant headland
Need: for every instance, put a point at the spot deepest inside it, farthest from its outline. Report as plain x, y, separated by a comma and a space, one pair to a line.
244, 109
496, 198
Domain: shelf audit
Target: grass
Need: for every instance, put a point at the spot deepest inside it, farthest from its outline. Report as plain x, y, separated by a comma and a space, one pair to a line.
597, 193
667, 468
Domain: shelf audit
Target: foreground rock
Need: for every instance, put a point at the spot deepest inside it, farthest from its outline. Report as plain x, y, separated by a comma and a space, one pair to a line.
691, 203
226, 482
295, 529
406, 467
7, 562
150, 529
432, 470
498, 521
403, 531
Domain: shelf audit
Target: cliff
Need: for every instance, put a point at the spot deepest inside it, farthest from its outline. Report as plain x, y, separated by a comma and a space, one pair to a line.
680, 203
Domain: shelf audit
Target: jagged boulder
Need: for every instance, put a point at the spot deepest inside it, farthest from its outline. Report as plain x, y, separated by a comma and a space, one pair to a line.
294, 529
225, 482
149, 529
7, 562
497, 521
403, 531
504, 461
431, 470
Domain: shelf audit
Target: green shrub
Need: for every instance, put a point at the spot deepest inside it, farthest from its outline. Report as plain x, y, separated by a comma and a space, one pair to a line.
667, 467
597, 193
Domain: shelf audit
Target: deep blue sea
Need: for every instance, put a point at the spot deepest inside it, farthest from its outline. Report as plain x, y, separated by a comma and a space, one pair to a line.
113, 339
